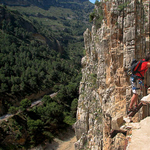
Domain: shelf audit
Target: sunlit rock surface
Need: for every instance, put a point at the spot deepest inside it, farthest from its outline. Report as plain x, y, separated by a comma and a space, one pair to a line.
105, 89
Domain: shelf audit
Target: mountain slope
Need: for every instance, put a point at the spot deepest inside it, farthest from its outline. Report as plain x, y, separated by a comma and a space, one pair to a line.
66, 20
41, 50
73, 4
32, 64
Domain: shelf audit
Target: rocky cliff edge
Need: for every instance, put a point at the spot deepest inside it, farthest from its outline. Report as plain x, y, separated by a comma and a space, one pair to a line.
105, 90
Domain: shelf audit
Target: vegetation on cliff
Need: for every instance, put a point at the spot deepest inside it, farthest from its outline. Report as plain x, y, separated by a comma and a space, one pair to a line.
97, 15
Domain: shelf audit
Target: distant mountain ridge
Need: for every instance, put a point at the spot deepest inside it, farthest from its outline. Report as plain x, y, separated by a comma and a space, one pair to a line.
46, 3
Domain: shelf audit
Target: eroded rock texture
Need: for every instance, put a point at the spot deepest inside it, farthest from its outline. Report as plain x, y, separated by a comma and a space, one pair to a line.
105, 89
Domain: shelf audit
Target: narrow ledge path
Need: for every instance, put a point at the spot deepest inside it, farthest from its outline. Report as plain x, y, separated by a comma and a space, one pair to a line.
140, 139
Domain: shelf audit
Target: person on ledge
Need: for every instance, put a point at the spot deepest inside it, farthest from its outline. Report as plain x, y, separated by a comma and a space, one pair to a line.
136, 83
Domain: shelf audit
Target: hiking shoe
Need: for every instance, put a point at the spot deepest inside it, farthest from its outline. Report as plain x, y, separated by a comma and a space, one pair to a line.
129, 110
136, 107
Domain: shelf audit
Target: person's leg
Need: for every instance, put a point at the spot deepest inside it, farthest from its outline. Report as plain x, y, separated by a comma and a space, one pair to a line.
136, 91
134, 100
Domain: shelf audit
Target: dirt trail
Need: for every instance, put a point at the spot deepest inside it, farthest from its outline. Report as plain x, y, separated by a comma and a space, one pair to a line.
65, 141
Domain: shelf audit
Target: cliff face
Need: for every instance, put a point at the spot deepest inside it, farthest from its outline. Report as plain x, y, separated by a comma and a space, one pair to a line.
105, 89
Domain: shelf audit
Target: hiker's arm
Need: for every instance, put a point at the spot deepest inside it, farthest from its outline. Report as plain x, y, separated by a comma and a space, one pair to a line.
148, 64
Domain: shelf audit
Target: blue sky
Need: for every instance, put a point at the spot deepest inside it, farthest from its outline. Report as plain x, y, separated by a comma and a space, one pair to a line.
92, 1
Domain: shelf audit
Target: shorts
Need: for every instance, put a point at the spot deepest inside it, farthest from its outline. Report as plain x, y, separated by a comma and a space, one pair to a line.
136, 87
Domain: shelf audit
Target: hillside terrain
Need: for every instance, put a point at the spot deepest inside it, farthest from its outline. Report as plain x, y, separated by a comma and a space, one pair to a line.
58, 31
41, 47
73, 4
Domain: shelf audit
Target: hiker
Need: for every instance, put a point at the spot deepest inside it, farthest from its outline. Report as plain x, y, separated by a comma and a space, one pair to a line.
137, 82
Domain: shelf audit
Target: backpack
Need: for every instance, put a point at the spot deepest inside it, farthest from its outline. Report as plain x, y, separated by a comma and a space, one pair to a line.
133, 69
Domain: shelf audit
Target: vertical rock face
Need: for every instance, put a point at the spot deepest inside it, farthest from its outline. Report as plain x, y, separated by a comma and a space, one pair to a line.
105, 89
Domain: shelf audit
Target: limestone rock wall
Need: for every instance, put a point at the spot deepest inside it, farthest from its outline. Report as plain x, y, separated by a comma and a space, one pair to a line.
105, 89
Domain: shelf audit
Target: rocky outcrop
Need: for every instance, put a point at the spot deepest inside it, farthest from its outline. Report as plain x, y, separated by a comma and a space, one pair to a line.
105, 89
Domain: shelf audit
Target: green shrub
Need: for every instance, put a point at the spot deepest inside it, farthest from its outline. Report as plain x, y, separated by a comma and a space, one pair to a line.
98, 15
13, 109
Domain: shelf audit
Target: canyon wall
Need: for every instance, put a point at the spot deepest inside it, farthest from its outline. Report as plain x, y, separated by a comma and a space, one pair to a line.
105, 89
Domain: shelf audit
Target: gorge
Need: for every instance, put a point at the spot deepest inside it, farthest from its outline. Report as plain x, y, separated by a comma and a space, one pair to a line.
40, 54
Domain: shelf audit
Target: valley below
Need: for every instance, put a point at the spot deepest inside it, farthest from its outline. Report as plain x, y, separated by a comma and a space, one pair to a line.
65, 141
